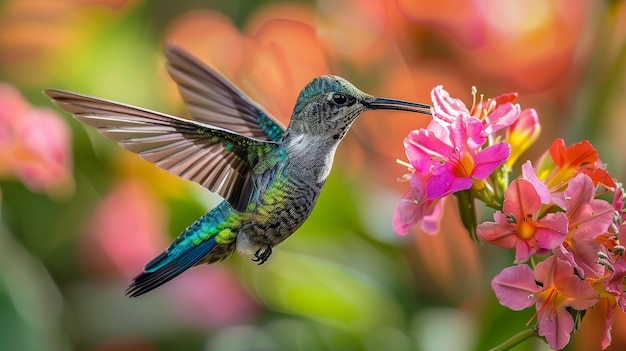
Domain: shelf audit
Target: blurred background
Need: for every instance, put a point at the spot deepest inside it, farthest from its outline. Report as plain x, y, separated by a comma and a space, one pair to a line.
80, 216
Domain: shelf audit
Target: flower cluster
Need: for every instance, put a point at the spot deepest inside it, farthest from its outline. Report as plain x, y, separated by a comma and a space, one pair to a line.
456, 152
567, 212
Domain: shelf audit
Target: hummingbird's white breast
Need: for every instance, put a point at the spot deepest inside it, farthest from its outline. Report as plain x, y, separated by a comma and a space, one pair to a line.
312, 155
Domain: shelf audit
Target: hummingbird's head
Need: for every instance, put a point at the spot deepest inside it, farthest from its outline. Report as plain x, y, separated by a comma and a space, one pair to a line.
328, 106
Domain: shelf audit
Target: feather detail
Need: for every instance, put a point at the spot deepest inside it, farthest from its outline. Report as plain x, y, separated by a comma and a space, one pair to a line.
214, 157
212, 98
208, 239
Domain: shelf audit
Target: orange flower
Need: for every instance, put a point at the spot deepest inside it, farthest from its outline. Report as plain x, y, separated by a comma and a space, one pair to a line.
566, 162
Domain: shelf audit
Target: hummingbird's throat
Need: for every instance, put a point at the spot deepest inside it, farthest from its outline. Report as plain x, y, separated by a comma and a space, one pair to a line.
312, 155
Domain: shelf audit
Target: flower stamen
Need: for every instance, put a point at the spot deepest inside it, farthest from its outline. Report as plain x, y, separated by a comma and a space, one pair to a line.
405, 164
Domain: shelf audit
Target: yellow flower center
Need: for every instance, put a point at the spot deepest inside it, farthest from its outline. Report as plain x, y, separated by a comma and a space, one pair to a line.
525, 230
465, 165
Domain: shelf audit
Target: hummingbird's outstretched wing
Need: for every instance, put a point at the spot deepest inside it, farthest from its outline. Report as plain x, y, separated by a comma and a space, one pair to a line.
216, 158
212, 98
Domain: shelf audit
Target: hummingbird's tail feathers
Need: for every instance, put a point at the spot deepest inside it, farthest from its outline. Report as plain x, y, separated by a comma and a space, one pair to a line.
166, 267
209, 239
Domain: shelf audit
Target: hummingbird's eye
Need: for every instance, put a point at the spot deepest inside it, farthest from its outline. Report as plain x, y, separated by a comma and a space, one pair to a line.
342, 99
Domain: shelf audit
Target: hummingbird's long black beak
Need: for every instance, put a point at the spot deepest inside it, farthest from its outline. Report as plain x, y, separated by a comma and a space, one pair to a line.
401, 105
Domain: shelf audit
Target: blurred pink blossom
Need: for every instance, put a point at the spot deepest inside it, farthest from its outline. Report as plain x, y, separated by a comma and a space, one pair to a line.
531, 43
211, 296
127, 229
34, 144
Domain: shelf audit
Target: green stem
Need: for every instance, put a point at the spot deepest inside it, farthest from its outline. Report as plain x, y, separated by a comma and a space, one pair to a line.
515, 340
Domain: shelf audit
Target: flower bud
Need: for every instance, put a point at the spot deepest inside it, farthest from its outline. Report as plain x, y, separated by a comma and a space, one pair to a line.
522, 134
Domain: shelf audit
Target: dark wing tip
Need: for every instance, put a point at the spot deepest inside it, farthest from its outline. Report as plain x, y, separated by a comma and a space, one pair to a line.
171, 47
177, 55
55, 94
66, 97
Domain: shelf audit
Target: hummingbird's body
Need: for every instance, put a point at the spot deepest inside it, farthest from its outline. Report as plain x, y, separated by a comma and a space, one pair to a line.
269, 176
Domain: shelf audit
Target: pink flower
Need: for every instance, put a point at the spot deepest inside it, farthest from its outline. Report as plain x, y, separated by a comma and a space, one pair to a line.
211, 297
450, 150
588, 218
126, 230
34, 144
454, 162
415, 208
494, 113
519, 225
129, 228
448, 156
552, 288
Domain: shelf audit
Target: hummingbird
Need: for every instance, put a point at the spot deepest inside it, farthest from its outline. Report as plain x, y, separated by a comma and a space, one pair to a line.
269, 176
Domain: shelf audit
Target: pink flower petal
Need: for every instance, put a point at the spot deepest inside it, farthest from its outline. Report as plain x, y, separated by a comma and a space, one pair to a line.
552, 269
605, 340
555, 327
415, 208
521, 199
515, 287
466, 133
588, 217
552, 230
46, 137
528, 173
585, 253
408, 213
430, 222
446, 108
421, 145
563, 254
446, 183
500, 232
490, 158
615, 285
524, 249
501, 117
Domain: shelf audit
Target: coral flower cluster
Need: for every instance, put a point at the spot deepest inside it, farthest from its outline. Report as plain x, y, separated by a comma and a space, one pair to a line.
566, 213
